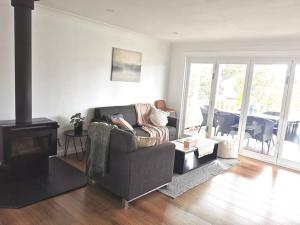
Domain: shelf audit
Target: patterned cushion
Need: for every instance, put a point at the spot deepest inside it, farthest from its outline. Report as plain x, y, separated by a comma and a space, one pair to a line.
118, 120
128, 112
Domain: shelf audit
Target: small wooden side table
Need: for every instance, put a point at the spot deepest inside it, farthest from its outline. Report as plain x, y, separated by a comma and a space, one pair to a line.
70, 134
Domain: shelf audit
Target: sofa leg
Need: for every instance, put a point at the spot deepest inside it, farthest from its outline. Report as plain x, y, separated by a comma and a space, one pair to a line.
125, 204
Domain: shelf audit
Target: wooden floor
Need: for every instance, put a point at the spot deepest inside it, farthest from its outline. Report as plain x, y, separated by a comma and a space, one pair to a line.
251, 193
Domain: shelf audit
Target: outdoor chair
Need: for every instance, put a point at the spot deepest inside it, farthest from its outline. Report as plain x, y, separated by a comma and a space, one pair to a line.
262, 130
226, 121
272, 113
291, 126
204, 112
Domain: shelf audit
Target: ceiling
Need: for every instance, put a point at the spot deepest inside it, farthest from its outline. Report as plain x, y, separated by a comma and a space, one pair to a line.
193, 20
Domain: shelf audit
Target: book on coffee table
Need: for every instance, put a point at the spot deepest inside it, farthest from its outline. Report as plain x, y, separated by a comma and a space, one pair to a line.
190, 144
186, 159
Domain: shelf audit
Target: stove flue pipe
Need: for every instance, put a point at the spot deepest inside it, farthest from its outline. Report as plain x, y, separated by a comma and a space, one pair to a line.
23, 59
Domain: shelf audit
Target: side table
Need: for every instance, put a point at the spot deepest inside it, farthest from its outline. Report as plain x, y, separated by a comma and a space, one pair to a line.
70, 134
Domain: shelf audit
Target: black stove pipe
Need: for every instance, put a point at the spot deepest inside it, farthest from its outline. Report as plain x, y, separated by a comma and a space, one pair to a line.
23, 60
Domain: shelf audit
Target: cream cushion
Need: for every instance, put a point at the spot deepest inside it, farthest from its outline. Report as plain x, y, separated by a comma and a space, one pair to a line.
227, 147
143, 142
159, 118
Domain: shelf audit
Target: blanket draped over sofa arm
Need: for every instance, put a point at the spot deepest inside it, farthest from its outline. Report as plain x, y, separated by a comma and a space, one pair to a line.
143, 119
99, 135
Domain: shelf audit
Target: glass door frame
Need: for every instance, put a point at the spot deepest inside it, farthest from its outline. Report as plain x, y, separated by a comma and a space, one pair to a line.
250, 61
284, 126
189, 61
216, 61
237, 61
266, 61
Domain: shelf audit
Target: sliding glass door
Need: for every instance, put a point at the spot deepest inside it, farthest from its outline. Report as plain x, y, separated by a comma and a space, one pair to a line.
255, 102
213, 98
198, 98
289, 154
229, 96
264, 109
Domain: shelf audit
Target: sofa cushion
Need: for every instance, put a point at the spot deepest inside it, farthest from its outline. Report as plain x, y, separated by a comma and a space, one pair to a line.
112, 117
143, 142
128, 112
119, 120
159, 118
140, 132
172, 132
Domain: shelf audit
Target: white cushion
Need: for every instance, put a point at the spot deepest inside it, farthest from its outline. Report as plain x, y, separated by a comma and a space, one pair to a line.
227, 147
159, 118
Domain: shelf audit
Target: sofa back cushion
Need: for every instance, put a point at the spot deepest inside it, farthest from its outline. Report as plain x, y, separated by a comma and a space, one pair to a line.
119, 120
128, 112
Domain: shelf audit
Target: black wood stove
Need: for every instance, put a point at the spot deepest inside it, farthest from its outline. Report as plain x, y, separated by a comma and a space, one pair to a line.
28, 173
26, 143
25, 148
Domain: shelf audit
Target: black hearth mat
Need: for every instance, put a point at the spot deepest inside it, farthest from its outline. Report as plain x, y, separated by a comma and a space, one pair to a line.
62, 178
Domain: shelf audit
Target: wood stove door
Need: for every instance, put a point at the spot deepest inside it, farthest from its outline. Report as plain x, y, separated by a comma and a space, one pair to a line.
29, 141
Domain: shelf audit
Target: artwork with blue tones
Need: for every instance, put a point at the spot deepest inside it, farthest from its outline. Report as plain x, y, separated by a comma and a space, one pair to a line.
126, 65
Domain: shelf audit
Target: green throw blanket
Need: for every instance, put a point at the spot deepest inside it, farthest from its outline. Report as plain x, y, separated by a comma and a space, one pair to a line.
99, 134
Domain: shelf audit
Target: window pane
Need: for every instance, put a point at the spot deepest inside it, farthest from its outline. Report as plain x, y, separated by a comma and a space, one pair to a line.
264, 107
229, 97
198, 97
291, 146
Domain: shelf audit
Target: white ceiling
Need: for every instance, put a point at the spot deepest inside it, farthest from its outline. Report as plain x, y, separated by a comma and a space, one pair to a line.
193, 20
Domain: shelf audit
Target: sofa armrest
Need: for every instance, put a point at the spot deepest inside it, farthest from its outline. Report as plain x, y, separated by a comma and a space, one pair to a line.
122, 141
150, 168
172, 122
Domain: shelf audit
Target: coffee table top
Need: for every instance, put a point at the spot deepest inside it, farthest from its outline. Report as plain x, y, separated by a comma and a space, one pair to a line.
201, 143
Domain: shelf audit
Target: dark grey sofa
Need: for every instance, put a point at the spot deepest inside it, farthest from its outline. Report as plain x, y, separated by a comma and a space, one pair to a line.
134, 172
130, 115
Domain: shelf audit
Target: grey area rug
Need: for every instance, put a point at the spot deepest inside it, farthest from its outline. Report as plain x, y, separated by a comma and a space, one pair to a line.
189, 180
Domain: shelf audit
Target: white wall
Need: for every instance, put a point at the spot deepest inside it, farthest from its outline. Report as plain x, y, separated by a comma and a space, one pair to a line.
179, 52
72, 65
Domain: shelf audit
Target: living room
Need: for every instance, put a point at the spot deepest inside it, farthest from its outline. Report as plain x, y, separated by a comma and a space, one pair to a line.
228, 75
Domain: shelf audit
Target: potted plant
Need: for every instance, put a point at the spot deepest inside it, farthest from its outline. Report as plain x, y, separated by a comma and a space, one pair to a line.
77, 121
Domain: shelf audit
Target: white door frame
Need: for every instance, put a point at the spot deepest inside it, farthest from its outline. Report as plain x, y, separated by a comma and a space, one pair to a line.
281, 161
216, 61
266, 61
236, 61
245, 105
189, 61
250, 61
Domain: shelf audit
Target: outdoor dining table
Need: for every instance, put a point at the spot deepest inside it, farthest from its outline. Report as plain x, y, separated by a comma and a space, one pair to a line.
293, 121
294, 118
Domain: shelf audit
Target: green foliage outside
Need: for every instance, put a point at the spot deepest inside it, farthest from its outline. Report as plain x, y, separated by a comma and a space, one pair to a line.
266, 90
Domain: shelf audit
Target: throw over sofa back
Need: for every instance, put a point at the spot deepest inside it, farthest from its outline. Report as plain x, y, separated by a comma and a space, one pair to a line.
128, 112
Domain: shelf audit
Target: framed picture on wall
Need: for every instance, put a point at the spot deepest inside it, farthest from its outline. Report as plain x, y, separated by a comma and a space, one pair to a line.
126, 65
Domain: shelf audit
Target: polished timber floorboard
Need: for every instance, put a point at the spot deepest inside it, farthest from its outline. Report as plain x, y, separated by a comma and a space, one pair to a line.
250, 193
